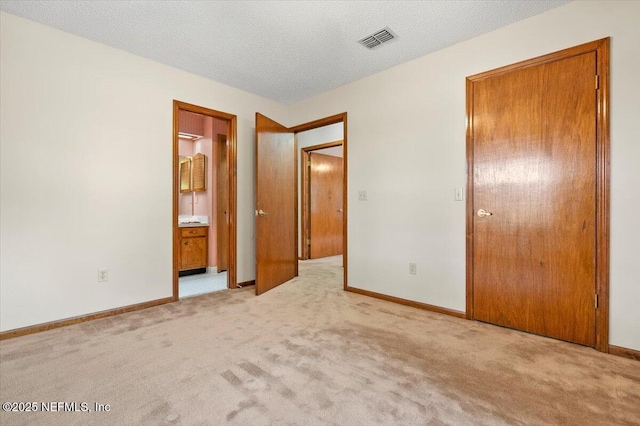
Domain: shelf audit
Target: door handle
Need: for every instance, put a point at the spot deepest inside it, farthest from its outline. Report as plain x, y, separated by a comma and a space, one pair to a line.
261, 213
339, 210
483, 213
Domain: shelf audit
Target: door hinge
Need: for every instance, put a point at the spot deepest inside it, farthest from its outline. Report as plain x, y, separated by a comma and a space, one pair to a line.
596, 300
597, 81
309, 242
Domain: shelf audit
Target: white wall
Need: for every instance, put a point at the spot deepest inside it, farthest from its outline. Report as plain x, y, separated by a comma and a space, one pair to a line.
86, 173
407, 149
330, 133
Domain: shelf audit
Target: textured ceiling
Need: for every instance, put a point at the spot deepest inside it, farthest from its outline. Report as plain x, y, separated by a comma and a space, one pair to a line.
282, 50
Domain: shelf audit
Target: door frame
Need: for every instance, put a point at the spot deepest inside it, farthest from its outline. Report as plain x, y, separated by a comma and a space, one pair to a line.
305, 193
601, 48
338, 118
232, 173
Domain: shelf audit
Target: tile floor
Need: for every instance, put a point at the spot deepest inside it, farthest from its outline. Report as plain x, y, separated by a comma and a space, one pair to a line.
194, 285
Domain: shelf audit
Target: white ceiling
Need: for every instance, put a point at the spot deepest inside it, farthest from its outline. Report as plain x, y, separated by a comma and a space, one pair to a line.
282, 50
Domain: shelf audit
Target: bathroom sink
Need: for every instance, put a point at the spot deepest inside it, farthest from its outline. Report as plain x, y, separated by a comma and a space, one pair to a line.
188, 221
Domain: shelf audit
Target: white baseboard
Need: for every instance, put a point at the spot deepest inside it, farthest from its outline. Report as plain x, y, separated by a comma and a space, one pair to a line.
212, 269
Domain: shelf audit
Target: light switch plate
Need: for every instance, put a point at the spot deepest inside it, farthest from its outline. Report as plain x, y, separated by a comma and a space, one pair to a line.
413, 268
458, 194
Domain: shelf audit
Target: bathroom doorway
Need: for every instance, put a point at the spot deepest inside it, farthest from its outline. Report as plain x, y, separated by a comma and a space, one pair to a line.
204, 201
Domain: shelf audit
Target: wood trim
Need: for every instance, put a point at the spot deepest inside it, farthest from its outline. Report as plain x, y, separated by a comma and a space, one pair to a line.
256, 153
175, 200
624, 352
322, 146
407, 302
304, 199
247, 283
204, 111
601, 48
345, 201
232, 171
602, 195
10, 334
469, 206
304, 202
297, 191
319, 123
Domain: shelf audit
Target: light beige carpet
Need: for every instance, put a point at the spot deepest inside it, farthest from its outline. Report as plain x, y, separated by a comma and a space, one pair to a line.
308, 353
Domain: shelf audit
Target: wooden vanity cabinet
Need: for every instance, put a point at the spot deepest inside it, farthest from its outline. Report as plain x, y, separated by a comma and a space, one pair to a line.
193, 247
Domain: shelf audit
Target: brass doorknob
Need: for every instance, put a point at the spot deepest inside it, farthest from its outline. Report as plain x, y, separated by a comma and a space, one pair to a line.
483, 213
261, 213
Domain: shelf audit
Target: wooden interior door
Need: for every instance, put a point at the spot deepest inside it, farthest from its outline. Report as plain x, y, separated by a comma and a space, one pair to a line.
534, 170
325, 199
276, 205
222, 203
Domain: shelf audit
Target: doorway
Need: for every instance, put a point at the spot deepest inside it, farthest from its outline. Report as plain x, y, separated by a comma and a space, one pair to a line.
276, 211
204, 200
538, 195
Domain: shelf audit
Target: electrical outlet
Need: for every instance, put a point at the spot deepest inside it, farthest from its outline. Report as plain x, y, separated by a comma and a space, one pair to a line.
413, 268
103, 275
362, 195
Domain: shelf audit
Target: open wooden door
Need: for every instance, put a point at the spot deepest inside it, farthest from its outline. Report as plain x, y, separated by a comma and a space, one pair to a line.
222, 203
276, 205
325, 199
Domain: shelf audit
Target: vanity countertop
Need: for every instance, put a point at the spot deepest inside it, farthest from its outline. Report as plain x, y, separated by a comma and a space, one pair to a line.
192, 221
191, 225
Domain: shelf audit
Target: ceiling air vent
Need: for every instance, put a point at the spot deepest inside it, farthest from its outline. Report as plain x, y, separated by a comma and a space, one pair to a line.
376, 39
